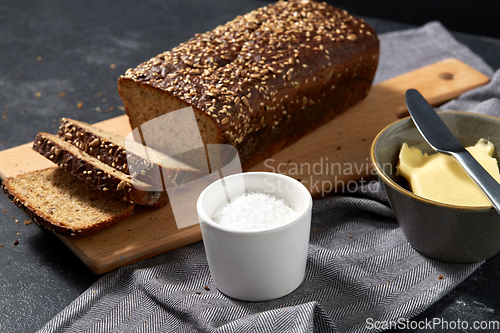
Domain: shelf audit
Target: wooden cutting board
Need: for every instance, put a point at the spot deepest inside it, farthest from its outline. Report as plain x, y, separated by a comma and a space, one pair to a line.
329, 159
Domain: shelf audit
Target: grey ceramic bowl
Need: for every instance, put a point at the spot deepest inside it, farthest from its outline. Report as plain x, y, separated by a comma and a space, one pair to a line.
445, 232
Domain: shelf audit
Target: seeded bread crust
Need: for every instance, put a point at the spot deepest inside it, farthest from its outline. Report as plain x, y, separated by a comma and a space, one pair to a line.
74, 195
96, 173
127, 157
261, 81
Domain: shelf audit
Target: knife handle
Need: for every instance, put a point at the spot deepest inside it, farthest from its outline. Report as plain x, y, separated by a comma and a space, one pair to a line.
482, 178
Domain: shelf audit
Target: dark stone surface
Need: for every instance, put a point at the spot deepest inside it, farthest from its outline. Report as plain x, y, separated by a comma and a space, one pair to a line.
56, 54
479, 17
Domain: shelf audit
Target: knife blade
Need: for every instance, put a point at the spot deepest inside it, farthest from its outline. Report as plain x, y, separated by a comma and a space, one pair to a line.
442, 140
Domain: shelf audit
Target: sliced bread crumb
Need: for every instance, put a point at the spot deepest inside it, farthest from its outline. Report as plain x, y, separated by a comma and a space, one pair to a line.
63, 203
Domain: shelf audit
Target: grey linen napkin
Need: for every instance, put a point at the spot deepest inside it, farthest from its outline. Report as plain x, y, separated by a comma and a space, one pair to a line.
360, 271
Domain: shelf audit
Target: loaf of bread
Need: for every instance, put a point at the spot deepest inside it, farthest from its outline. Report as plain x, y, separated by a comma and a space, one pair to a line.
96, 173
262, 80
130, 157
63, 203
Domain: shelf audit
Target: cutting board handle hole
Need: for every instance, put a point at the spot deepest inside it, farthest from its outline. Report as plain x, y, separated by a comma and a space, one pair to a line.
446, 76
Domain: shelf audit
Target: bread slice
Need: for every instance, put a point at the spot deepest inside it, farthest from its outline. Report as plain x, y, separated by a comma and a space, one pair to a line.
63, 203
97, 173
143, 163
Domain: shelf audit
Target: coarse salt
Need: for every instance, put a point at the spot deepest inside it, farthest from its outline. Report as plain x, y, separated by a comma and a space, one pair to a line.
254, 211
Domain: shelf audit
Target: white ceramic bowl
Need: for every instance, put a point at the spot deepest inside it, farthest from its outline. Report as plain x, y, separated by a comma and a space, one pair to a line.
441, 231
256, 265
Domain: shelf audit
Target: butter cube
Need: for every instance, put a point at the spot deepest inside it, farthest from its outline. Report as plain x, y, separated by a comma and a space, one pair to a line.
440, 178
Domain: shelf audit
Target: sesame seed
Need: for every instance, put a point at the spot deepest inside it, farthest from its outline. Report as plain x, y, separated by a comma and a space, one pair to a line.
244, 100
120, 186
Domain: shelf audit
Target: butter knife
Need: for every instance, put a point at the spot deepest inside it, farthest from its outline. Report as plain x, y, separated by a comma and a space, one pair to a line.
440, 138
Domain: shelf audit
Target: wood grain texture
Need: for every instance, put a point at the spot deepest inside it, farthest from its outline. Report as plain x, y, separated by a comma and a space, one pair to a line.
326, 160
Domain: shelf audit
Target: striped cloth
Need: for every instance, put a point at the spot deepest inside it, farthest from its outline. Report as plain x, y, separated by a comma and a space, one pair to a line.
360, 271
